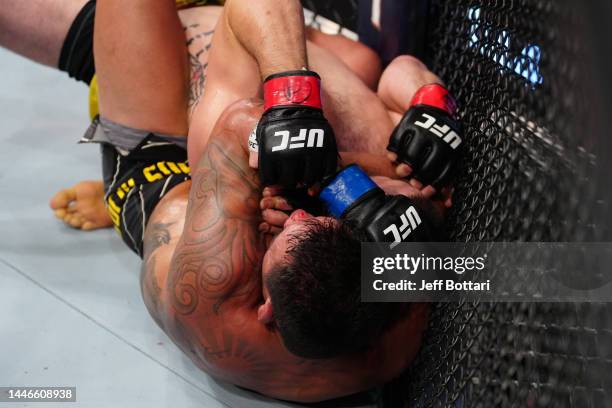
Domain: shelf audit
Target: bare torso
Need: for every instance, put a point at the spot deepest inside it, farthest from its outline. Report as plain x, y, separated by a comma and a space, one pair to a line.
201, 281
201, 278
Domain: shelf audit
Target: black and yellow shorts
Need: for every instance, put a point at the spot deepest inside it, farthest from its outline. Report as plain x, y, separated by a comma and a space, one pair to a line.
139, 168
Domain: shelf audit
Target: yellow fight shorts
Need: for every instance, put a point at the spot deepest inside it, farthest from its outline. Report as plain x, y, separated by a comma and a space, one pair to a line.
139, 168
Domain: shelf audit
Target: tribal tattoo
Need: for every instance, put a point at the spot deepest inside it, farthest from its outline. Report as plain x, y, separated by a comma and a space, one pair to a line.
156, 236
219, 256
213, 283
218, 261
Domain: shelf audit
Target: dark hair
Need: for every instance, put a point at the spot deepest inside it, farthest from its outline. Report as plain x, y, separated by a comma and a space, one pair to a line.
434, 217
316, 295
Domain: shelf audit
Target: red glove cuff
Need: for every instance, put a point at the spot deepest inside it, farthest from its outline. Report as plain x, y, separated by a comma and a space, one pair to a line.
437, 96
302, 88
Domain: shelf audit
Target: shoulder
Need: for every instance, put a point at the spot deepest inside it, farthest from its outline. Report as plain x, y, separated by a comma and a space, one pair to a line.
232, 130
239, 119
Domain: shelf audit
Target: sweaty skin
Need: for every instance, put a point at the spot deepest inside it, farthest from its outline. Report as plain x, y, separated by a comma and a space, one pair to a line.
203, 285
201, 277
199, 27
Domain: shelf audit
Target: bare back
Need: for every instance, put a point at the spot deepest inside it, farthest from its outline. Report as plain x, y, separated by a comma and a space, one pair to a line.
201, 282
201, 278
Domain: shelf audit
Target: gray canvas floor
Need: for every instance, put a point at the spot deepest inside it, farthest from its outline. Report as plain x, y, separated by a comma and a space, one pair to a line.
71, 308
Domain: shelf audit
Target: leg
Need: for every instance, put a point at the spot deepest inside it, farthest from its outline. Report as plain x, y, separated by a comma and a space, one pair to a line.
141, 63
361, 59
82, 205
358, 116
400, 81
360, 120
36, 29
234, 73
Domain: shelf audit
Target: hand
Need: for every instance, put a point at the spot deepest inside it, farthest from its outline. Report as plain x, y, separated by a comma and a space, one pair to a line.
441, 198
426, 142
402, 187
295, 143
274, 213
355, 197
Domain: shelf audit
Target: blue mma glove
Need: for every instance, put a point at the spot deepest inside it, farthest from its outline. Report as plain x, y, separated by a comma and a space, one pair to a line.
353, 196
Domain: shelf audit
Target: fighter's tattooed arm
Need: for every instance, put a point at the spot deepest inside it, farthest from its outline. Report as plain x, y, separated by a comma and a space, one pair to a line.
206, 299
157, 238
219, 255
198, 45
216, 265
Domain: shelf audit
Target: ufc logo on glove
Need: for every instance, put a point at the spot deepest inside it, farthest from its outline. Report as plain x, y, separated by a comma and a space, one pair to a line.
410, 220
316, 137
295, 143
444, 132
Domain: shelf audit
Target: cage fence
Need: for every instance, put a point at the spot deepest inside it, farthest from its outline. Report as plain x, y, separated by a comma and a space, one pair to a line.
535, 119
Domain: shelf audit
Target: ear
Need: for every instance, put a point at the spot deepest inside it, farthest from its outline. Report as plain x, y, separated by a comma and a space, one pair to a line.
265, 313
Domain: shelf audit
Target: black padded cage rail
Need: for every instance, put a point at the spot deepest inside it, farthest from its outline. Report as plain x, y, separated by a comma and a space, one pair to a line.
532, 78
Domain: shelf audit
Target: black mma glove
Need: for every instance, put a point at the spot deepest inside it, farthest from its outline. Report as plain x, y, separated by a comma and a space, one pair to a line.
354, 197
429, 136
296, 144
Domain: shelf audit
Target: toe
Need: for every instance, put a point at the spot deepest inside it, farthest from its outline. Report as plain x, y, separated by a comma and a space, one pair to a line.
88, 226
63, 198
60, 214
76, 221
67, 218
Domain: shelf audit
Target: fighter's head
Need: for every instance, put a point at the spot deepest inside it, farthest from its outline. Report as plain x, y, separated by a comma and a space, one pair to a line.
312, 289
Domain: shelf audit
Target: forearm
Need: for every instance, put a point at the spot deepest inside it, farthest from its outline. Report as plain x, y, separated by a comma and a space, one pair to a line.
373, 164
271, 31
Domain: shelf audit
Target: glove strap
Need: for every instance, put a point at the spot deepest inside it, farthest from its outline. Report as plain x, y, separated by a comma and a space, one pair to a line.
437, 96
345, 190
293, 88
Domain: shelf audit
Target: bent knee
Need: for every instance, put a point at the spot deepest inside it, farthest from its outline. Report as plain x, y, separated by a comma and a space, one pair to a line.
407, 67
409, 70
407, 62
367, 64
360, 58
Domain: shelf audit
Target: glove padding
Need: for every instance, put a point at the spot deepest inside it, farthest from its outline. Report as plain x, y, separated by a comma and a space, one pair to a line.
296, 144
392, 219
352, 196
428, 138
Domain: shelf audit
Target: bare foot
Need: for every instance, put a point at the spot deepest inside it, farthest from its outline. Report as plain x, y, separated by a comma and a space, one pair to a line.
82, 206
